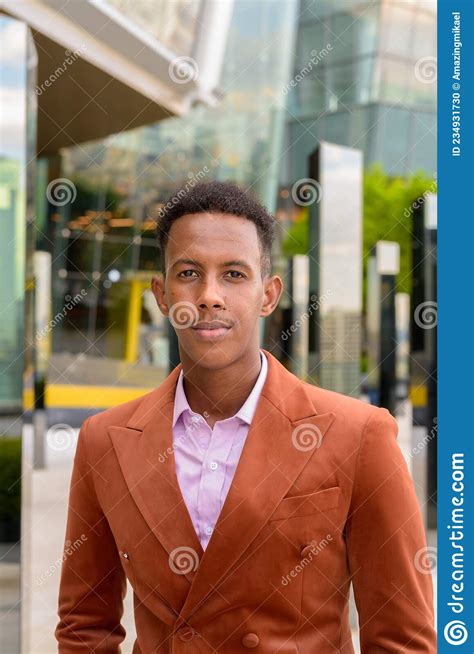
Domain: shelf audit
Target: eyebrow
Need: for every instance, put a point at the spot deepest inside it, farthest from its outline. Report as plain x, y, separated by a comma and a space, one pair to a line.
193, 262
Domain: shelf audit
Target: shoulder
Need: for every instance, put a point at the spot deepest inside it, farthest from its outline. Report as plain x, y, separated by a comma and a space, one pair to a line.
346, 408
116, 416
358, 425
120, 414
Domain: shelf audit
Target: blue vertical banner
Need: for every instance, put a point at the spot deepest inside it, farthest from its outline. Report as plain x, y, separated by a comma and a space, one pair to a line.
455, 326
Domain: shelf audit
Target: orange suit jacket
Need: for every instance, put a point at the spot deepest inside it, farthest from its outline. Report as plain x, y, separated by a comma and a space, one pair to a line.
321, 497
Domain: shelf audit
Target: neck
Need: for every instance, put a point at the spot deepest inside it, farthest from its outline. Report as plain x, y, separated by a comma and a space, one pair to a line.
216, 394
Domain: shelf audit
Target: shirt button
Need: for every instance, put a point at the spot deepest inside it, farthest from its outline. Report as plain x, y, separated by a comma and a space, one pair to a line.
208, 530
213, 465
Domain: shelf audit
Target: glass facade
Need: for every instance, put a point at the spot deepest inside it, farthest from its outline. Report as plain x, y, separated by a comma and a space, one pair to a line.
373, 67
18, 143
18, 119
103, 236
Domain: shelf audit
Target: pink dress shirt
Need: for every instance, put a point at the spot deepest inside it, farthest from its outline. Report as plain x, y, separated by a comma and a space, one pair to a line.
206, 459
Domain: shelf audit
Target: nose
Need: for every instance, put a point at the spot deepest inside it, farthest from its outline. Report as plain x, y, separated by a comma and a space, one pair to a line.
210, 296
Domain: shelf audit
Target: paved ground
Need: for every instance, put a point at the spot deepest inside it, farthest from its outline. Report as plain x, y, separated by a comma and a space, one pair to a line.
9, 598
44, 515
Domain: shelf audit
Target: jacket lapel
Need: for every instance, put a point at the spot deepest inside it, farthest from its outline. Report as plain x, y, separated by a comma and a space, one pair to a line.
285, 433
145, 452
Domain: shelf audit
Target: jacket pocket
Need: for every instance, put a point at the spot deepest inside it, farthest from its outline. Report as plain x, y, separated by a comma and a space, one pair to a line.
301, 505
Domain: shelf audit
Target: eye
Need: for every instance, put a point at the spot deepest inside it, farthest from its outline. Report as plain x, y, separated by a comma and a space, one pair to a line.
186, 271
237, 273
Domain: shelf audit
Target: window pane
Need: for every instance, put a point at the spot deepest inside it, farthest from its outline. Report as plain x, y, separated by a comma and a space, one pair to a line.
303, 140
349, 83
73, 297
335, 127
423, 91
149, 256
322, 8
394, 150
116, 253
353, 33
424, 42
75, 252
396, 80
397, 36
312, 37
361, 120
310, 95
424, 135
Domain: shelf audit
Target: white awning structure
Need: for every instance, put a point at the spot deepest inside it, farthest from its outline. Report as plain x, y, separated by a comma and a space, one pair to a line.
99, 73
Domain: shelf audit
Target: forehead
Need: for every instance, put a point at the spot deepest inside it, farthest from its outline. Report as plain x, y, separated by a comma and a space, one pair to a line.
213, 233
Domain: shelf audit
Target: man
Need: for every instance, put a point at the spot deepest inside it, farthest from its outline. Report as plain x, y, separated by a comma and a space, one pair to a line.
239, 502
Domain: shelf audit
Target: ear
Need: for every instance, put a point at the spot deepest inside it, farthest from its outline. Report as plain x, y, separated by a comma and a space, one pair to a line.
273, 289
158, 290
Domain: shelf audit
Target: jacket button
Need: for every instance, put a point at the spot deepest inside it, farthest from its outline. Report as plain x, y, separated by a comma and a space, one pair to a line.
307, 550
186, 633
125, 555
250, 640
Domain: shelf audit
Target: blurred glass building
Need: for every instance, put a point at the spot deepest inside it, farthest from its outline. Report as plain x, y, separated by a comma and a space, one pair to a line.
365, 76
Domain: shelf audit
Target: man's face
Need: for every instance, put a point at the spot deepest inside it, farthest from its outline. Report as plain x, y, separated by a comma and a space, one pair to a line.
213, 273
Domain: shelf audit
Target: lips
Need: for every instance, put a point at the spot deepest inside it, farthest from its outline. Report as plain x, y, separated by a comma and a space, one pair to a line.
213, 324
211, 331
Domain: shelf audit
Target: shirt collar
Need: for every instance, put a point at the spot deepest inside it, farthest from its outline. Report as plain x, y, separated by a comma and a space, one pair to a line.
246, 411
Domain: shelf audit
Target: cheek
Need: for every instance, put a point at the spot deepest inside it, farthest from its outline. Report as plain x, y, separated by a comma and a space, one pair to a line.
175, 292
249, 307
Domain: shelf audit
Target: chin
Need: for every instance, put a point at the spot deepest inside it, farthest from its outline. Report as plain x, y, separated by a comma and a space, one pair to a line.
207, 355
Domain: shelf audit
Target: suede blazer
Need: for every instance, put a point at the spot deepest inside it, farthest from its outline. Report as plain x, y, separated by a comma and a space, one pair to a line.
322, 497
